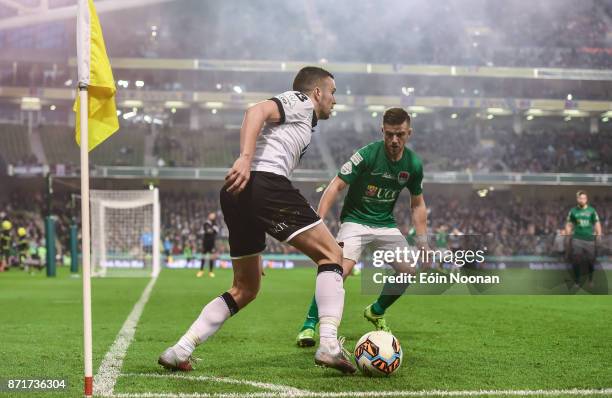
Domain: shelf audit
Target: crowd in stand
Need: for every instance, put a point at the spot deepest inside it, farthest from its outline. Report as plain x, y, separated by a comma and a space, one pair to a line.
463, 147
474, 145
504, 224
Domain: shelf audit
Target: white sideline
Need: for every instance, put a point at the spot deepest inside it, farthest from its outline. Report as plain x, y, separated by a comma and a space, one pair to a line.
368, 394
110, 368
279, 390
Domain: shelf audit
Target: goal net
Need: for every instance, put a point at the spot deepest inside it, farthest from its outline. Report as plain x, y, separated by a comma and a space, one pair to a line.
125, 228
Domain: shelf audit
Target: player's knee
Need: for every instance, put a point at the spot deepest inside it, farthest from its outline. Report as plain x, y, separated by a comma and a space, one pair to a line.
244, 294
331, 255
247, 296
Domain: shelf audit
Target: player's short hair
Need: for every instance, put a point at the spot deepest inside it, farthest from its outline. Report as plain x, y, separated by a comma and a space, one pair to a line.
581, 192
396, 116
308, 77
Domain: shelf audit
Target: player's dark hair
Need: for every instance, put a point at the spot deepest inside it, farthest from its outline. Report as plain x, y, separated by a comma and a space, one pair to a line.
396, 116
581, 192
308, 77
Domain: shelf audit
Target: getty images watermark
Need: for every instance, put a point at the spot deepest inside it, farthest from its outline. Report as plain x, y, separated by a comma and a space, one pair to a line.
481, 264
404, 262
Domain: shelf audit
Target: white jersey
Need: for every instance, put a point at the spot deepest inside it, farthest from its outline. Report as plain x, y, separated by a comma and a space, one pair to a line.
280, 146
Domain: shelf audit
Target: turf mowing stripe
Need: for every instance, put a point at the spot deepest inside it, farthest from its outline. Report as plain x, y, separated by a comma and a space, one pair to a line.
110, 368
285, 390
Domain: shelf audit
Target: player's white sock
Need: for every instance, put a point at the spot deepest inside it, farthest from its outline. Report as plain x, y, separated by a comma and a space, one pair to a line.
210, 320
329, 293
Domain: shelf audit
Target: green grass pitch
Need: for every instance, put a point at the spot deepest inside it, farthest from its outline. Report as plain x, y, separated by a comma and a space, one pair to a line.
449, 342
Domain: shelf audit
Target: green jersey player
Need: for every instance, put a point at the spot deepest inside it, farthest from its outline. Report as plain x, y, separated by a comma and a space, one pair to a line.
584, 228
375, 175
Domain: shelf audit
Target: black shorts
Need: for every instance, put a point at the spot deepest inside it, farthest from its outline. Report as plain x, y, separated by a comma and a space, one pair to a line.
208, 246
268, 204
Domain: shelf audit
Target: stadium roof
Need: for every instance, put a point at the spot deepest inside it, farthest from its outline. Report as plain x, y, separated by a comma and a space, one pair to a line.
20, 13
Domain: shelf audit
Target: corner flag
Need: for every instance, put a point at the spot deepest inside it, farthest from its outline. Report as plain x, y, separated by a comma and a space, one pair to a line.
95, 73
96, 120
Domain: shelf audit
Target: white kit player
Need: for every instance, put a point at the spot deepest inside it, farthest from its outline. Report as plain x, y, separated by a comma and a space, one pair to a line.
258, 198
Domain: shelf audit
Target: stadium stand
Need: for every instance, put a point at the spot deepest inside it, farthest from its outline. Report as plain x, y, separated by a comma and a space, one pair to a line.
509, 224
126, 147
59, 145
207, 148
15, 145
476, 33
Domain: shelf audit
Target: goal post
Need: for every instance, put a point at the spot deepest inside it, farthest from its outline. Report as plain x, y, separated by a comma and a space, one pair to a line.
125, 232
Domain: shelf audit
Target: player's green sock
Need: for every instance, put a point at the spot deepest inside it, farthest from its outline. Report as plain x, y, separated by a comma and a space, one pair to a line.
313, 316
382, 303
389, 295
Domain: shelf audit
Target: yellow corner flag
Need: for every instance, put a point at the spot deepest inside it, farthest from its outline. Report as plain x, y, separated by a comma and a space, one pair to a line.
95, 72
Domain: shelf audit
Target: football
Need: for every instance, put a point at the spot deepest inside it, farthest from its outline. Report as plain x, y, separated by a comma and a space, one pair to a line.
378, 354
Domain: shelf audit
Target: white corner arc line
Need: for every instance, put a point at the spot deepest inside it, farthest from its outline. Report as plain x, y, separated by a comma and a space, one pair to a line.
279, 388
110, 368
368, 394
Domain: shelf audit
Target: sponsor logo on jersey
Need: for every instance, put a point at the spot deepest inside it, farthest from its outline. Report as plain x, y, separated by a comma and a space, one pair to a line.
388, 176
403, 177
384, 194
356, 158
371, 190
347, 168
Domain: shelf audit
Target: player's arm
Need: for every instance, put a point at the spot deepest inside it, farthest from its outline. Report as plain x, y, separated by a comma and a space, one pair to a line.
418, 207
419, 218
349, 172
254, 119
330, 195
597, 225
569, 225
598, 229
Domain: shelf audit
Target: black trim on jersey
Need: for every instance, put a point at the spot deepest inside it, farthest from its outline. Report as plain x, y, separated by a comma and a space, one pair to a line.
314, 119
281, 110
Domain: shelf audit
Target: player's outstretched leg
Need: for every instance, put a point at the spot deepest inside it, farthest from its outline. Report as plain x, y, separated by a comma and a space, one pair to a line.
318, 244
245, 287
391, 292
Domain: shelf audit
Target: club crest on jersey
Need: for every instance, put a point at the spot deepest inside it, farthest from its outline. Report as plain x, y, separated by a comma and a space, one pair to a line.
347, 168
371, 190
403, 177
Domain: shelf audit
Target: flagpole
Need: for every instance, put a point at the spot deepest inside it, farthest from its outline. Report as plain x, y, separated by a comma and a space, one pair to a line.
83, 38
87, 328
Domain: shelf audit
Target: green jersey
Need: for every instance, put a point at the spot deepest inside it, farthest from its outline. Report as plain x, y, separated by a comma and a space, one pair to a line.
584, 220
375, 184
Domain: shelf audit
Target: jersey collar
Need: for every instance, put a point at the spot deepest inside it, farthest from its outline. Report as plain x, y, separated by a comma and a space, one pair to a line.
314, 119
